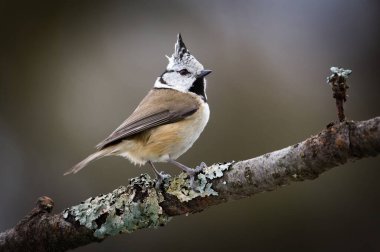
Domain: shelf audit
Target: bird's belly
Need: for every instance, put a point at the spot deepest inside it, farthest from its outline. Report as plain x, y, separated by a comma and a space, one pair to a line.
167, 141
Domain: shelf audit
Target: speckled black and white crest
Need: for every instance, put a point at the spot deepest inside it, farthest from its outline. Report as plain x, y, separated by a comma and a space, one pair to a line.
183, 71
180, 47
182, 58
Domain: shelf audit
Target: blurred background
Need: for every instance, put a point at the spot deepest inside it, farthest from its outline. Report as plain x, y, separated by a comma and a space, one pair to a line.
72, 71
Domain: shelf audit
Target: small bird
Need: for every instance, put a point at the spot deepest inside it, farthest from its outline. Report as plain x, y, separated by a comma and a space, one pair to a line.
167, 121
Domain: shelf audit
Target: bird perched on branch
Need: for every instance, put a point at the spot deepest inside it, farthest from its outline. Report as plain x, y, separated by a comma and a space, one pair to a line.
167, 121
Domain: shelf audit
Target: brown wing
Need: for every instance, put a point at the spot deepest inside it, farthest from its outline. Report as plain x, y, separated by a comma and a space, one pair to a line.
160, 106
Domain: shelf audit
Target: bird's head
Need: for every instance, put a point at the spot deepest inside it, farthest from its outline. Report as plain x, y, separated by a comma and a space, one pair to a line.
184, 72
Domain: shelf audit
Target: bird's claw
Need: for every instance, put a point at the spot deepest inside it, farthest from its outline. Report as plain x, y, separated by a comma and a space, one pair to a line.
160, 178
195, 172
200, 167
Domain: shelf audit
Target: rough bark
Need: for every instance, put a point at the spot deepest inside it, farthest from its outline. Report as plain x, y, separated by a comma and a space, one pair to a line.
142, 205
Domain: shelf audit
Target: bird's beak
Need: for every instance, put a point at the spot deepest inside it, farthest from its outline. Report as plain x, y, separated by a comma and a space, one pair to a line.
203, 73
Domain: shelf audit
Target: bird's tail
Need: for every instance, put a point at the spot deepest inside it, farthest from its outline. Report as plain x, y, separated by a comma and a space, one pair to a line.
87, 160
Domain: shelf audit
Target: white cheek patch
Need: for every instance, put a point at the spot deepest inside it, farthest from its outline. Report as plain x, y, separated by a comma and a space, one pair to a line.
174, 80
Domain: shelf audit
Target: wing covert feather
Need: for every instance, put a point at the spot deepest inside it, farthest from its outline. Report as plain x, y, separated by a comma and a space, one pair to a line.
159, 107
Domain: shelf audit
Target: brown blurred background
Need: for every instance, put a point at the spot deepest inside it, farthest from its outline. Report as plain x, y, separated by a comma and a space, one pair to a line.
71, 71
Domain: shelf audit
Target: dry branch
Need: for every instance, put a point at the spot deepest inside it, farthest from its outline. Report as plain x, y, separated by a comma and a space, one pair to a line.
142, 205
338, 82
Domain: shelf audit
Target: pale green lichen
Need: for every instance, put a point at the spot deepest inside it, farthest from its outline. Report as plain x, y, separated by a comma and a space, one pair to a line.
180, 186
337, 71
341, 71
136, 206
124, 210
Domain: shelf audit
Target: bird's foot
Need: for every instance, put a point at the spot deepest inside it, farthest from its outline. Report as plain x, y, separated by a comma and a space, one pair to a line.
191, 172
160, 176
200, 167
194, 172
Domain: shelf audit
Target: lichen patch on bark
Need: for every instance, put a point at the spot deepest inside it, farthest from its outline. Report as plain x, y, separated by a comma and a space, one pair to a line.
202, 187
124, 210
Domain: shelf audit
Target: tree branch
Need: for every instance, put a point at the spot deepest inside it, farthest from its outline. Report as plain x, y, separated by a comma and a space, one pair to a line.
338, 83
142, 205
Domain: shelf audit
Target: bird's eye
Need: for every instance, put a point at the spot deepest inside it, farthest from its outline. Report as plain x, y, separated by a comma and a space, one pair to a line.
184, 72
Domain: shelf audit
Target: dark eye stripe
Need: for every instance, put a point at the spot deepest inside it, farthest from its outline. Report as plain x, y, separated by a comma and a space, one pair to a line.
183, 71
166, 71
